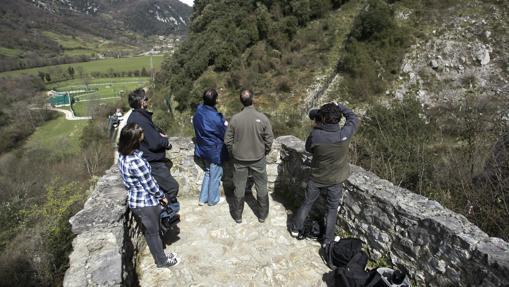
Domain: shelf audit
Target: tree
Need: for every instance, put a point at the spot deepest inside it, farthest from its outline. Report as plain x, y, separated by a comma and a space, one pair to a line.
144, 72
41, 75
70, 70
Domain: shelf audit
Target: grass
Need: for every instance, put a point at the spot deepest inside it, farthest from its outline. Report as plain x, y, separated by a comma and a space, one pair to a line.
58, 135
75, 46
77, 84
8, 52
79, 52
87, 108
109, 90
67, 42
101, 66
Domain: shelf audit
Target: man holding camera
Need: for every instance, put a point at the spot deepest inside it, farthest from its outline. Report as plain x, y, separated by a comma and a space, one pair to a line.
328, 142
154, 144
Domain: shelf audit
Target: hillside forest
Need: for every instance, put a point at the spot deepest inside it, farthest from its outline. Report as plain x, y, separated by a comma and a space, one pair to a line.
434, 119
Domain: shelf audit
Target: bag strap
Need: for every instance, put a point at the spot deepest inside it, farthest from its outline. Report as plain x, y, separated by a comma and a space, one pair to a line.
328, 253
374, 278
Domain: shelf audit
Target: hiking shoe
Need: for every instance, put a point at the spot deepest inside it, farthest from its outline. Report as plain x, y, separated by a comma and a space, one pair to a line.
172, 255
294, 233
221, 200
261, 220
174, 261
201, 203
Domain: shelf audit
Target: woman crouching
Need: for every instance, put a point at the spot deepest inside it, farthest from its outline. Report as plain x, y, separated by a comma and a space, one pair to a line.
144, 195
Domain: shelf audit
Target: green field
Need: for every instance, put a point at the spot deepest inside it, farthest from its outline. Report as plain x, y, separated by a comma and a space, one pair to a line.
103, 91
89, 46
8, 52
101, 66
59, 135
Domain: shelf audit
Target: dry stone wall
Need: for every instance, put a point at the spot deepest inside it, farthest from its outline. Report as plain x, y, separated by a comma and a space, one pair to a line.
437, 246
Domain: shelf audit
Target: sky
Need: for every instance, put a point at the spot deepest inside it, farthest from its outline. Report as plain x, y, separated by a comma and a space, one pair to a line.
188, 2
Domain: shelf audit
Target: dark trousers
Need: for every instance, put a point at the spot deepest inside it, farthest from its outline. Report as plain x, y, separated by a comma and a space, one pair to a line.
333, 197
161, 172
257, 169
149, 217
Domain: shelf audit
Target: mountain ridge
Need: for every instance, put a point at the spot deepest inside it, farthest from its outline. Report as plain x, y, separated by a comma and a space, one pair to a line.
44, 32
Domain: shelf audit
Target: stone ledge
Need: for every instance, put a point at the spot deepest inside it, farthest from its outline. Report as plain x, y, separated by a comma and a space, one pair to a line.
97, 257
438, 246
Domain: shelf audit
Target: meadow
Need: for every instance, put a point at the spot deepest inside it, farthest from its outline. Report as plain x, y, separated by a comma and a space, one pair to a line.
102, 66
58, 135
85, 45
102, 91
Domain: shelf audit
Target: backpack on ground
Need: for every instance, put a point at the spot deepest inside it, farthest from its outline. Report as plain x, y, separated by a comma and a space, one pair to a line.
340, 253
354, 275
312, 230
393, 278
348, 263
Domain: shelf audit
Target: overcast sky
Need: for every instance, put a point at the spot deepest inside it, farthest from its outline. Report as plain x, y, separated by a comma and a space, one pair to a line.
188, 2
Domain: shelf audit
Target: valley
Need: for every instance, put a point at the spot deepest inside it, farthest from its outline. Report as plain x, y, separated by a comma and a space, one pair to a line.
429, 80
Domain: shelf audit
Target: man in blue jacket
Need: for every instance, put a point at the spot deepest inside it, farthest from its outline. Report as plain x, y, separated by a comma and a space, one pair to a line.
154, 144
209, 128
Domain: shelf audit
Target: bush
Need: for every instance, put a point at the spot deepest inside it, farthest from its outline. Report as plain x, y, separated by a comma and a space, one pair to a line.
283, 84
374, 51
393, 144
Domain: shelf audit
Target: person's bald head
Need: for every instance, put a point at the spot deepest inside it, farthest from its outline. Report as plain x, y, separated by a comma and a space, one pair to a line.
246, 97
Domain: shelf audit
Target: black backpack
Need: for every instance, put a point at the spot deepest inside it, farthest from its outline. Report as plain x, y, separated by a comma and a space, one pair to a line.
353, 274
340, 253
312, 229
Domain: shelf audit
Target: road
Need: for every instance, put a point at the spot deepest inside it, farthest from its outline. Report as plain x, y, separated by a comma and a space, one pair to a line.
69, 115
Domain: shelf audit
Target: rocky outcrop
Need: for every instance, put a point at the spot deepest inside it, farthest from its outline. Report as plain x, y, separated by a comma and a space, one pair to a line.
437, 246
461, 52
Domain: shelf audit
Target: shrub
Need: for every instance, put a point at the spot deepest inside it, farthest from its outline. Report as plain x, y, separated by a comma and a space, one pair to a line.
374, 51
393, 144
283, 84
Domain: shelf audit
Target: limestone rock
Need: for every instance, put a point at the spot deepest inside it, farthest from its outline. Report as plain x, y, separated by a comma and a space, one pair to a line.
483, 56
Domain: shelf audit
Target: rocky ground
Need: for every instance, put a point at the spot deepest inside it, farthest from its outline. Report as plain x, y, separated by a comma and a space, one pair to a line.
216, 251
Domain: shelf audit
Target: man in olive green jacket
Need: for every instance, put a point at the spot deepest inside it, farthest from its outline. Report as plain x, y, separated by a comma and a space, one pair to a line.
249, 139
328, 142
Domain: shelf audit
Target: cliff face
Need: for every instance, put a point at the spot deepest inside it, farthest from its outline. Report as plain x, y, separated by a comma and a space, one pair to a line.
465, 50
437, 246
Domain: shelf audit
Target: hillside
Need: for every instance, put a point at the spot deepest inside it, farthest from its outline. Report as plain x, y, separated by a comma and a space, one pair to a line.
428, 77
43, 32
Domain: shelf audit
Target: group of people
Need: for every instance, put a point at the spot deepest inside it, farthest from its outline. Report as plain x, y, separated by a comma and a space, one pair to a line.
245, 140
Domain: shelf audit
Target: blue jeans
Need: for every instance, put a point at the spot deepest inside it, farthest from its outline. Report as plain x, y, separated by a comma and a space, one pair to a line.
211, 180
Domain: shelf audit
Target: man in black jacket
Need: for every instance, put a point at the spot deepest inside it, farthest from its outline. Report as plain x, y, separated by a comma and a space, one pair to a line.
328, 143
154, 144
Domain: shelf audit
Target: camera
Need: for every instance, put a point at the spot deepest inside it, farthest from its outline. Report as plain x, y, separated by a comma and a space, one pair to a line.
314, 114
169, 214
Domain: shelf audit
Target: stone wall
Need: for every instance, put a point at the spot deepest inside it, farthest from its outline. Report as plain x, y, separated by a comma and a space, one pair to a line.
439, 247
96, 259
436, 245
